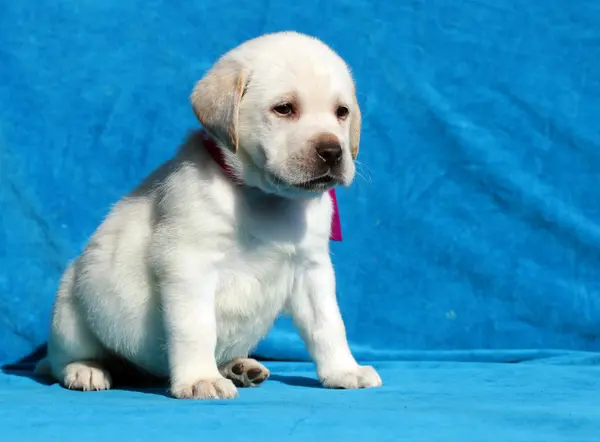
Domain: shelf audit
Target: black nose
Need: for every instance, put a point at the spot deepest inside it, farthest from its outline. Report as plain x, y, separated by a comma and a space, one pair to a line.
330, 152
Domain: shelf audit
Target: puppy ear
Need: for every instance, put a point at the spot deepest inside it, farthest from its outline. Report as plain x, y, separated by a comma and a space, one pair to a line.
355, 123
216, 100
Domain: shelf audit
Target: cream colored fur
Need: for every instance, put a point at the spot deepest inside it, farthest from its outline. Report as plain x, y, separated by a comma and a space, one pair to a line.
189, 271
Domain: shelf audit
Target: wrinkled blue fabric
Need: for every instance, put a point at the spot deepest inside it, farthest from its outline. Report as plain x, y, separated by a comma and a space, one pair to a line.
422, 401
471, 236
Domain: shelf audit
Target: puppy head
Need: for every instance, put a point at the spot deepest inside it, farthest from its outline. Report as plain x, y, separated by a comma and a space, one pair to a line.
285, 104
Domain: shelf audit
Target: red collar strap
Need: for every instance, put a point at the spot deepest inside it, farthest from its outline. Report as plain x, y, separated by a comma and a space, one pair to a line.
217, 154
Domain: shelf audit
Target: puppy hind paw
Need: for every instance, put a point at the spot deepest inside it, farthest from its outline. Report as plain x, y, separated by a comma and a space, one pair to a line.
245, 372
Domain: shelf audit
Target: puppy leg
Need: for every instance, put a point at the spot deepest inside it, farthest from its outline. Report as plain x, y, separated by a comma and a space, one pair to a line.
245, 372
315, 312
74, 354
188, 298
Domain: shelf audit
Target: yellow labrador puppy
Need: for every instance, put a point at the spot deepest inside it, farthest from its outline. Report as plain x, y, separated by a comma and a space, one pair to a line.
189, 271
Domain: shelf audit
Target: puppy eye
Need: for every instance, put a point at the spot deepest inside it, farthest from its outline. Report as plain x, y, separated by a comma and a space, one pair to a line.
284, 109
342, 112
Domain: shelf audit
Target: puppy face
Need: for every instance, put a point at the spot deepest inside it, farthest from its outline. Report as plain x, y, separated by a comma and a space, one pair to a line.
285, 104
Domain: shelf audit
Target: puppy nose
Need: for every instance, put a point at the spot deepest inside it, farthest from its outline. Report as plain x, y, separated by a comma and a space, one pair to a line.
330, 151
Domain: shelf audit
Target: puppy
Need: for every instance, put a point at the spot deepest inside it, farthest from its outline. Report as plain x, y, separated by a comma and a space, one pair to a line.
189, 271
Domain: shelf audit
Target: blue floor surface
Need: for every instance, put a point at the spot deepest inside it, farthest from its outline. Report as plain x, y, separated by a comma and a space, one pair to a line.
539, 400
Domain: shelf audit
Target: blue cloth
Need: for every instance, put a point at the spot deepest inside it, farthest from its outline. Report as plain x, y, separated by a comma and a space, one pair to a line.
474, 225
422, 401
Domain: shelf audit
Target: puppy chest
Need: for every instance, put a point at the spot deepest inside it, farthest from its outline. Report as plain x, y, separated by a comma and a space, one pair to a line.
253, 290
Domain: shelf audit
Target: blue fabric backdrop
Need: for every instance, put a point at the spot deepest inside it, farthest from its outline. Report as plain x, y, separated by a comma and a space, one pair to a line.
473, 233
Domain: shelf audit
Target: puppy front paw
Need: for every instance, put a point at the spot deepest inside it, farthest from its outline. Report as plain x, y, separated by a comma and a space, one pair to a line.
359, 377
86, 376
217, 388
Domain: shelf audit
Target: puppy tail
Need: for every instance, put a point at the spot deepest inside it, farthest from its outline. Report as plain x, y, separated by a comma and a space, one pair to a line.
43, 369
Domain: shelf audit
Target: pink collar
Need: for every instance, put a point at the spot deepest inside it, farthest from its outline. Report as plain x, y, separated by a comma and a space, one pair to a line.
215, 152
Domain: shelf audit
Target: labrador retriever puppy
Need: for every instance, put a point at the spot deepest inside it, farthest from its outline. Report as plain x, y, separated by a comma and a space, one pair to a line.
190, 270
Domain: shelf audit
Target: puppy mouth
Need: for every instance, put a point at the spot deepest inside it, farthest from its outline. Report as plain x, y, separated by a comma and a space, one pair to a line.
320, 183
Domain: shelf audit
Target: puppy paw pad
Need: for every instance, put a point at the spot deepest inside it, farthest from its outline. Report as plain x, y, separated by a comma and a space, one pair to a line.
245, 372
